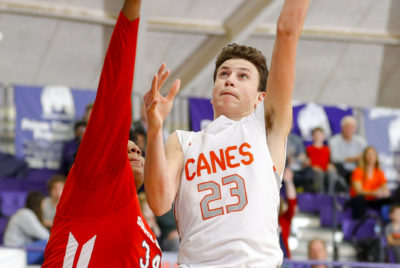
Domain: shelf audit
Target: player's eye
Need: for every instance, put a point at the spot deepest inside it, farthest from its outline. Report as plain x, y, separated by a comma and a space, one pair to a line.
245, 76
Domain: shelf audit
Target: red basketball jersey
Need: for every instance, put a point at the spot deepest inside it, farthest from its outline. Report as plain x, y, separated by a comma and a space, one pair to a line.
98, 222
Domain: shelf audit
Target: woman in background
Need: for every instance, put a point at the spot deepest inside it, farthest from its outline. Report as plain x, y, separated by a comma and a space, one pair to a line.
26, 225
368, 184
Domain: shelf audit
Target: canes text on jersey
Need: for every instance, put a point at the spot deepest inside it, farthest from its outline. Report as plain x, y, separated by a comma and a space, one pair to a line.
229, 157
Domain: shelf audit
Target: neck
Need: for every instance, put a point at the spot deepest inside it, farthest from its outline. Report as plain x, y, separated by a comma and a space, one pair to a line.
347, 138
370, 167
236, 116
318, 144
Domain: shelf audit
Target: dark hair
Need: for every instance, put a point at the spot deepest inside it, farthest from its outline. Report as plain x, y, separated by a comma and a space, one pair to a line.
133, 134
34, 203
79, 124
253, 55
393, 208
317, 129
56, 178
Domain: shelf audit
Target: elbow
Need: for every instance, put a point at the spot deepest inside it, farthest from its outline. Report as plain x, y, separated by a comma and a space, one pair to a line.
159, 210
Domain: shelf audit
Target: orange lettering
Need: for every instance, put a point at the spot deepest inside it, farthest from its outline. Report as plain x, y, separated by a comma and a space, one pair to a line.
243, 153
189, 177
230, 157
220, 161
202, 164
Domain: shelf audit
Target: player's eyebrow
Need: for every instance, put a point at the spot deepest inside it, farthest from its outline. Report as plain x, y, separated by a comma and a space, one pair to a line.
240, 68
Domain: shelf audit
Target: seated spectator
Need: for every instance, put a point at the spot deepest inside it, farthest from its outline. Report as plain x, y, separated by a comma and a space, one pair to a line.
26, 225
319, 155
317, 251
393, 231
368, 184
298, 162
71, 148
287, 209
346, 147
54, 186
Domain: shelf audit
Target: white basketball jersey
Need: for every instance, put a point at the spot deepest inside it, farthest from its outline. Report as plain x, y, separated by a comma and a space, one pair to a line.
227, 202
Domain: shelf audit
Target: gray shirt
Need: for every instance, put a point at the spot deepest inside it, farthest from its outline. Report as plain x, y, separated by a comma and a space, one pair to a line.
49, 210
390, 229
23, 228
342, 149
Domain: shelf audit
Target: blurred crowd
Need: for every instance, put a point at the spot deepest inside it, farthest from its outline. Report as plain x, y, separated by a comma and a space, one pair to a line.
344, 165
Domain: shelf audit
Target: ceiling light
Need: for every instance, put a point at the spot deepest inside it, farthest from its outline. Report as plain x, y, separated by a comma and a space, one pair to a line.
1, 36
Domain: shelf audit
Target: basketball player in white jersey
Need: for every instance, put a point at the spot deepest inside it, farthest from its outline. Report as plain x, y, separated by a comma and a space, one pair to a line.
222, 178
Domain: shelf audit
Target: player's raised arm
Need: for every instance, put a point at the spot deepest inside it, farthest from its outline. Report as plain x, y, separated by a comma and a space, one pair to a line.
162, 168
131, 9
104, 145
278, 100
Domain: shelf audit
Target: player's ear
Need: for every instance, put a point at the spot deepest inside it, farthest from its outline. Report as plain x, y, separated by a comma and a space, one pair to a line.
260, 98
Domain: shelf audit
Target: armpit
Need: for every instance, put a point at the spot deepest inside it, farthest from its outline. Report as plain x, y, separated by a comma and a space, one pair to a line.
269, 115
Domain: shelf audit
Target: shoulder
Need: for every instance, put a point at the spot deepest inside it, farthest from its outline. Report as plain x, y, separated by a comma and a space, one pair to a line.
24, 214
174, 142
357, 173
359, 139
335, 138
380, 173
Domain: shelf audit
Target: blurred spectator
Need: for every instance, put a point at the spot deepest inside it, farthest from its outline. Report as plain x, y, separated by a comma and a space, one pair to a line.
298, 162
148, 215
368, 184
317, 251
71, 147
25, 226
346, 147
169, 234
88, 112
287, 209
54, 186
393, 231
319, 155
11, 166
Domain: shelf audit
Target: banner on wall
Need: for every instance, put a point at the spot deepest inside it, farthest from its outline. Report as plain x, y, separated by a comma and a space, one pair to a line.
44, 121
382, 130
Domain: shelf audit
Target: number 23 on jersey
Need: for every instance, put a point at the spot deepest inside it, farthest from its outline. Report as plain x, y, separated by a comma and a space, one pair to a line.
237, 188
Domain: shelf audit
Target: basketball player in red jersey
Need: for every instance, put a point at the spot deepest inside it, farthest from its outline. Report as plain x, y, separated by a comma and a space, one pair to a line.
98, 222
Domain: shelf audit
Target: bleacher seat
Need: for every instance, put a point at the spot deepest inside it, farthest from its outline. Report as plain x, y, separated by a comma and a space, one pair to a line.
11, 201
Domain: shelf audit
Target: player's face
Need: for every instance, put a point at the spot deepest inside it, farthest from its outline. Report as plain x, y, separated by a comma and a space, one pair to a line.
136, 159
235, 89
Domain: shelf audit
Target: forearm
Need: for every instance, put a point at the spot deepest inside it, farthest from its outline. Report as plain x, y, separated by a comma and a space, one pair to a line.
292, 18
156, 181
392, 241
131, 9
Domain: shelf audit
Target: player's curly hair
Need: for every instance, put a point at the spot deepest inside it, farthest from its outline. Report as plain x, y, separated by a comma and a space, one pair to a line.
235, 51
